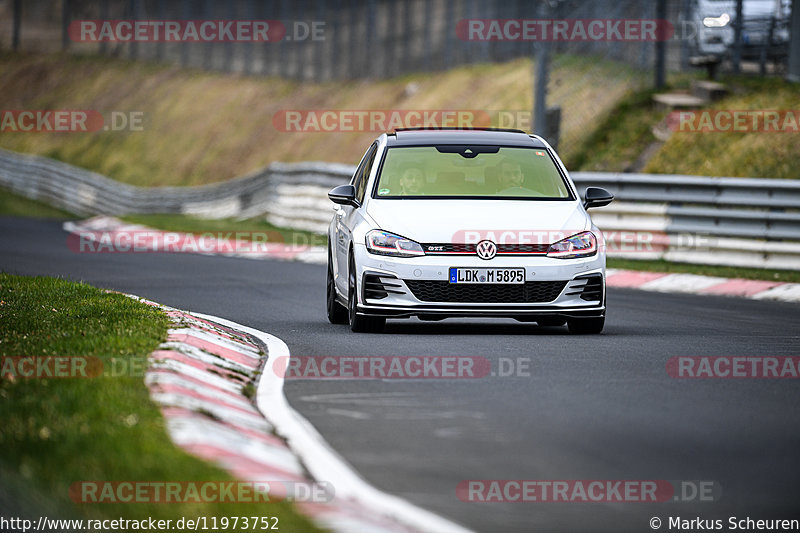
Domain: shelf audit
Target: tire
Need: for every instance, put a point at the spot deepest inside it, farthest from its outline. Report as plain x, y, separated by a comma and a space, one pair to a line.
337, 313
551, 321
359, 324
586, 326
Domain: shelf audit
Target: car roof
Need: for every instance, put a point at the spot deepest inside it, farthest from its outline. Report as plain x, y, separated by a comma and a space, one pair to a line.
428, 136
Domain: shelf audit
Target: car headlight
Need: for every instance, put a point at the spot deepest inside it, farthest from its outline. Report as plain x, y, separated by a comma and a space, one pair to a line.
381, 242
579, 245
717, 22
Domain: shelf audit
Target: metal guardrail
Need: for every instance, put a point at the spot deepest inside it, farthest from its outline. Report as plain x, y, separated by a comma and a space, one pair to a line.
293, 193
748, 222
720, 192
723, 221
730, 207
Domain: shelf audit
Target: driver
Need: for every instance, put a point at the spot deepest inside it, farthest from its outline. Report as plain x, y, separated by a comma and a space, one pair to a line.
510, 175
511, 179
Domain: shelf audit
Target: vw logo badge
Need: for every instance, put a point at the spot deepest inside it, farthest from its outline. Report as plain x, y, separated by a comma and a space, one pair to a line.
486, 249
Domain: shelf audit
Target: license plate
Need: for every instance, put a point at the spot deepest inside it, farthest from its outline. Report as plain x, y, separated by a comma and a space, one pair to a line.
503, 276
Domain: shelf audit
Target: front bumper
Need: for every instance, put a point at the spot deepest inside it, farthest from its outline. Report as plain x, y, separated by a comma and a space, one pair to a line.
565, 288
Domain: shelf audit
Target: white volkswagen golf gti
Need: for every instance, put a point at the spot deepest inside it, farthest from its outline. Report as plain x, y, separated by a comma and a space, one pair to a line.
439, 223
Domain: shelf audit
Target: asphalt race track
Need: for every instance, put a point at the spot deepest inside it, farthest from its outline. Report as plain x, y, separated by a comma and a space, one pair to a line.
592, 408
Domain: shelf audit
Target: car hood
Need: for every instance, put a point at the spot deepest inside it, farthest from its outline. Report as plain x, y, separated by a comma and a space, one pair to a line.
448, 221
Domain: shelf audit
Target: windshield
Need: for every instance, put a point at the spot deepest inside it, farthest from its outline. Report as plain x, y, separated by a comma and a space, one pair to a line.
470, 171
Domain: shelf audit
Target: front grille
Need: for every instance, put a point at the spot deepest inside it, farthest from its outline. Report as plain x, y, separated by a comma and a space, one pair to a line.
444, 291
466, 249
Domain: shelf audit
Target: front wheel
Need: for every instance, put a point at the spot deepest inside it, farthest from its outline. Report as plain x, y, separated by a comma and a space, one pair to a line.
337, 313
360, 323
586, 326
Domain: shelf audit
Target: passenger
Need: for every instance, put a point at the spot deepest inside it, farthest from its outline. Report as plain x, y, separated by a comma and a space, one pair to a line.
412, 181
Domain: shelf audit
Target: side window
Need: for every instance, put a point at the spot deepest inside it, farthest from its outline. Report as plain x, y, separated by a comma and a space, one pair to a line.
357, 173
362, 174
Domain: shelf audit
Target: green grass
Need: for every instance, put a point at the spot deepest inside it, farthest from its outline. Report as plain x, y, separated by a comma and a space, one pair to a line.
59, 431
619, 139
16, 205
204, 127
737, 154
788, 276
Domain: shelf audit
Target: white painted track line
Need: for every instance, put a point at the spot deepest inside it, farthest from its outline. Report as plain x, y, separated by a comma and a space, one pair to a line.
323, 463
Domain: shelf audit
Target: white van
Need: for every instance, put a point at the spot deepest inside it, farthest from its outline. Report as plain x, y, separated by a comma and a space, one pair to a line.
715, 21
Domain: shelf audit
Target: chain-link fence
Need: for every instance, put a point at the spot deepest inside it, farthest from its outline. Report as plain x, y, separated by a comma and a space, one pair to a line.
338, 39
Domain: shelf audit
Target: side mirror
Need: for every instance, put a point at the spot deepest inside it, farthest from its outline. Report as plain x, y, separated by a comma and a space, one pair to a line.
343, 195
596, 197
